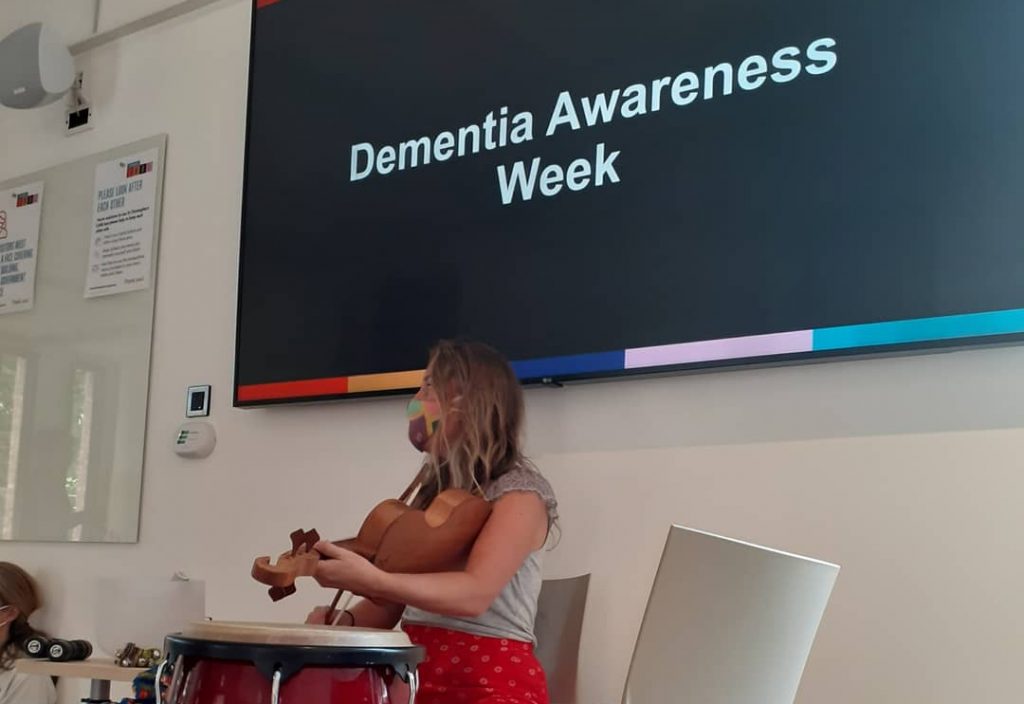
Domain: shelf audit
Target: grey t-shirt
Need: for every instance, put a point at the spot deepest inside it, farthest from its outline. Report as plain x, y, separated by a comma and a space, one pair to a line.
513, 612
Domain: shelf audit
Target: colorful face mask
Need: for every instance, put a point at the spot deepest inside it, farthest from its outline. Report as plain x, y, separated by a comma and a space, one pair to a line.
424, 418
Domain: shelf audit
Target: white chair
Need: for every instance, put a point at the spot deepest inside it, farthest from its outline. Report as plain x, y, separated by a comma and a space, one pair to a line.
727, 622
558, 625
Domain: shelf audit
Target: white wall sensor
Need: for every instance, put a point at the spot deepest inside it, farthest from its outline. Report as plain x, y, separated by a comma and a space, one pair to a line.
195, 439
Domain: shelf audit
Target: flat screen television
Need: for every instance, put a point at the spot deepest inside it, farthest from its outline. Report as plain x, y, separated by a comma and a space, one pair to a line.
611, 188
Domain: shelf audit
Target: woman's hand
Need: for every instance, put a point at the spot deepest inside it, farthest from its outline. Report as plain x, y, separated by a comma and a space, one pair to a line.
319, 615
345, 569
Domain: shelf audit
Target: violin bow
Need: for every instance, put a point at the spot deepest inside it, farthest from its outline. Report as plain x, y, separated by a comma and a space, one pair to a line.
332, 617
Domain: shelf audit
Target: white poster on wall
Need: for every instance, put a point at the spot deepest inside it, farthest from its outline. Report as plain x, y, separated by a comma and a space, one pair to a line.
120, 253
20, 215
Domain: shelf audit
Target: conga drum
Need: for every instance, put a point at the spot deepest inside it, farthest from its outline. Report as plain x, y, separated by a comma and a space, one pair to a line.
261, 663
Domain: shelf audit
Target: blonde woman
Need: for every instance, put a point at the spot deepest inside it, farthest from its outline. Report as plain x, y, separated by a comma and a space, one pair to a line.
19, 598
476, 624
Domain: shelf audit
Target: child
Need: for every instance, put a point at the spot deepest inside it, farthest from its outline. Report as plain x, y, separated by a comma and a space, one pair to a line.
476, 624
19, 598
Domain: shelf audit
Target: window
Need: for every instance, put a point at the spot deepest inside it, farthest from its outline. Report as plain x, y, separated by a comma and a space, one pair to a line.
12, 408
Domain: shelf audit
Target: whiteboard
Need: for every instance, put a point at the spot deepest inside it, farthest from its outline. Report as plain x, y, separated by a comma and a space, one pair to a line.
74, 373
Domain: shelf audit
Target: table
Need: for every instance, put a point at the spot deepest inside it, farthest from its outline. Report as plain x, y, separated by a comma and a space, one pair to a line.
101, 671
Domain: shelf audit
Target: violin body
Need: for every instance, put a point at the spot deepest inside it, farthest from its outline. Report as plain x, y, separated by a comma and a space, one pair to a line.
394, 537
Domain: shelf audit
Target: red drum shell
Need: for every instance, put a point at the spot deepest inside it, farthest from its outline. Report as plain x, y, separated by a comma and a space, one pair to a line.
234, 663
209, 681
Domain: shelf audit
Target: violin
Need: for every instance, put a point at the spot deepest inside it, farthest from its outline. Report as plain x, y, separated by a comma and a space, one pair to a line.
394, 537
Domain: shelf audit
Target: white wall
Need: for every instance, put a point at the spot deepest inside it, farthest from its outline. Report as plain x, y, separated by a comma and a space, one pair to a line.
73, 19
907, 471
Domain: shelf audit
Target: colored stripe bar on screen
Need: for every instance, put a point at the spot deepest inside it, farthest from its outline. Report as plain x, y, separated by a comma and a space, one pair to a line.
260, 4
898, 332
715, 350
385, 382
570, 365
293, 389
333, 386
1004, 322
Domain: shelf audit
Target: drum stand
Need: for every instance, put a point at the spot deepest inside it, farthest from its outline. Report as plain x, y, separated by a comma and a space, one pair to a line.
99, 693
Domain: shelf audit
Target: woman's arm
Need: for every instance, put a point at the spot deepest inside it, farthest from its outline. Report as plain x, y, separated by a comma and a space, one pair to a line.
365, 614
518, 526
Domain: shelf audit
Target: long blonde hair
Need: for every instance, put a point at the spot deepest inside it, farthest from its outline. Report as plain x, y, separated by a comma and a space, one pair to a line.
17, 589
477, 390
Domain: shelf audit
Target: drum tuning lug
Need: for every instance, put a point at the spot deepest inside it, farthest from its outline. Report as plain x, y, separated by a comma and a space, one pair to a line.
275, 687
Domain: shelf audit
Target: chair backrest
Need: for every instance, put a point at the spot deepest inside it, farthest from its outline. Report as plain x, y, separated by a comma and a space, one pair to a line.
557, 627
727, 622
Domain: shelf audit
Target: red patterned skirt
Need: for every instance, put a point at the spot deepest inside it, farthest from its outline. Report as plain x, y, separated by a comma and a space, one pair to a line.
461, 667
